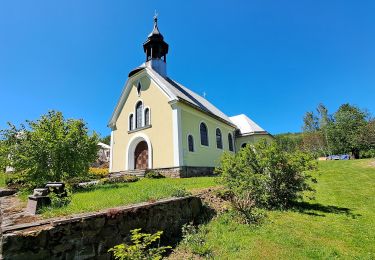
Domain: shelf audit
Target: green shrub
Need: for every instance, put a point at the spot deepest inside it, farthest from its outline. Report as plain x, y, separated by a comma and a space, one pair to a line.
58, 201
73, 182
98, 173
154, 175
223, 194
18, 181
180, 192
144, 246
194, 239
264, 176
368, 154
119, 179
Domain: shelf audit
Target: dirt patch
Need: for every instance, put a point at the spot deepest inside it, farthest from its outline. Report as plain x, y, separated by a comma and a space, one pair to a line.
182, 254
372, 164
13, 212
210, 198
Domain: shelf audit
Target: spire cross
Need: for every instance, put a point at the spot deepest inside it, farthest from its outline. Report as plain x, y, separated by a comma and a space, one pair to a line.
204, 94
156, 17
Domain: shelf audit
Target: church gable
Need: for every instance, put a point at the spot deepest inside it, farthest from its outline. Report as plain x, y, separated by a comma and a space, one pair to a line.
143, 113
138, 85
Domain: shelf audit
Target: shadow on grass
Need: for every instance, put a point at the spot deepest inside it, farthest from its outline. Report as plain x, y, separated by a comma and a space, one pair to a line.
318, 210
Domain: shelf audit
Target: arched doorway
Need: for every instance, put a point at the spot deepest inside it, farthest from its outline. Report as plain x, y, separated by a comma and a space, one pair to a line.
131, 154
141, 156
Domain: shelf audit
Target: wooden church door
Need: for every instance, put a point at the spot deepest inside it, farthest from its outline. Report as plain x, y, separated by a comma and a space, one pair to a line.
141, 156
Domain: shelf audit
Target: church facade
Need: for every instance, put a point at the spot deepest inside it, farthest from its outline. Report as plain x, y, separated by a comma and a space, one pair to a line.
161, 125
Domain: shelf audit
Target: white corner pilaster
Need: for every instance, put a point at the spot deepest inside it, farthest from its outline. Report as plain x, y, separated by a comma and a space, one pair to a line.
111, 154
177, 132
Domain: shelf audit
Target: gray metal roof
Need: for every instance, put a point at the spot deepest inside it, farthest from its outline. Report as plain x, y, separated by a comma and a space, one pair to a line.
182, 92
177, 92
246, 125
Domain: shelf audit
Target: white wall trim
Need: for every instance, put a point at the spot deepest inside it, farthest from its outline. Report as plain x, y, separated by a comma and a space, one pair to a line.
132, 144
111, 155
177, 139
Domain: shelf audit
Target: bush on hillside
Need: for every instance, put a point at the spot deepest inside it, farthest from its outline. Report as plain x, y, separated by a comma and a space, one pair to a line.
119, 179
154, 175
368, 154
265, 176
16, 181
98, 173
143, 246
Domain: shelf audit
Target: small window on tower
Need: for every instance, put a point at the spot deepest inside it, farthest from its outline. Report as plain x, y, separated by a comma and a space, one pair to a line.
131, 122
147, 117
139, 88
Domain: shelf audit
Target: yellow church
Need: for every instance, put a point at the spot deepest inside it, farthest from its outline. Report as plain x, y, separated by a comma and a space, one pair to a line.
161, 125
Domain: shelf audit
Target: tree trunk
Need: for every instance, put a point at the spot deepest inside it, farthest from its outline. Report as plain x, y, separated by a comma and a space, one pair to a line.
355, 153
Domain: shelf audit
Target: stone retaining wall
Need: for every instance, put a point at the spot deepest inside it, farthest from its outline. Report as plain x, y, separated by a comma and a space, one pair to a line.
88, 236
185, 171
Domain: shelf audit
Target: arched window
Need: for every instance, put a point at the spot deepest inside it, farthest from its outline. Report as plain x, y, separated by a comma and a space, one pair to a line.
219, 140
204, 134
230, 142
131, 126
191, 143
147, 116
138, 115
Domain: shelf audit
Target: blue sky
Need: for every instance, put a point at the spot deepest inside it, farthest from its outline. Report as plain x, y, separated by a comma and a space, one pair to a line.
272, 60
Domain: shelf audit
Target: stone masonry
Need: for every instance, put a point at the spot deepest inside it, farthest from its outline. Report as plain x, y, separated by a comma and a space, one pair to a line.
90, 235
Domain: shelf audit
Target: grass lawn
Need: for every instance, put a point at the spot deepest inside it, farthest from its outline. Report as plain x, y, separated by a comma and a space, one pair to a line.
112, 195
339, 223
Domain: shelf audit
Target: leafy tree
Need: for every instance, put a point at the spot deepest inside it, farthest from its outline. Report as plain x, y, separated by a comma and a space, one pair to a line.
289, 142
142, 247
106, 140
3, 156
347, 131
316, 128
368, 134
51, 148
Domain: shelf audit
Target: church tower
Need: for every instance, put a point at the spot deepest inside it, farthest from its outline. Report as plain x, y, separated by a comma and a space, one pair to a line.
156, 50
